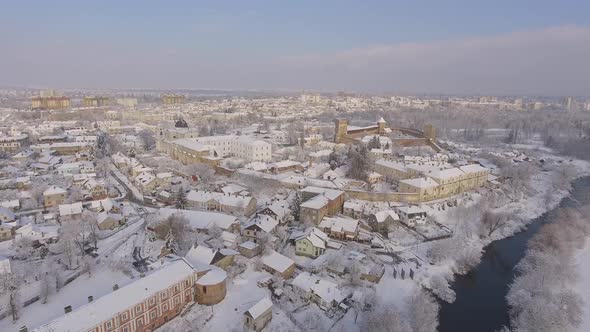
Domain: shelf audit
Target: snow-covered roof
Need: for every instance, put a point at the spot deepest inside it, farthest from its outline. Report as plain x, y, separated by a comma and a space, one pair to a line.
316, 202
473, 168
391, 164
326, 290
213, 277
106, 307
339, 224
411, 209
446, 174
200, 255
191, 144
424, 182
277, 262
70, 209
221, 198
249, 245
259, 308
202, 220
381, 216
329, 193
266, 223
285, 163
54, 190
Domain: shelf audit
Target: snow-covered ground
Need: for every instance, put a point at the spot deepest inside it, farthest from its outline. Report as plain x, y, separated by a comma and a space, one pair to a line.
582, 284
242, 293
98, 284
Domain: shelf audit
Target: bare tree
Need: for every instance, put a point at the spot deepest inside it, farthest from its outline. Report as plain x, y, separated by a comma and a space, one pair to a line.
176, 228
10, 285
493, 221
385, 319
422, 312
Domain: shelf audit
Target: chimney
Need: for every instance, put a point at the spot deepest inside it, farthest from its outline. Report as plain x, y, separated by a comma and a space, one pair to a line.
90, 298
23, 329
115, 287
68, 309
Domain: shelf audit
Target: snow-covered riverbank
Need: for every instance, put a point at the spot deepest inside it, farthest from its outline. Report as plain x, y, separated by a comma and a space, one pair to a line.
463, 252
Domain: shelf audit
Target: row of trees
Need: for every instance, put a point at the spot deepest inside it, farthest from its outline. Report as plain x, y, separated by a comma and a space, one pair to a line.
541, 297
420, 315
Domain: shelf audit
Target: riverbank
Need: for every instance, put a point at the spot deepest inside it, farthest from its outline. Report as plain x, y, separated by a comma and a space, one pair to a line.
481, 303
582, 283
463, 252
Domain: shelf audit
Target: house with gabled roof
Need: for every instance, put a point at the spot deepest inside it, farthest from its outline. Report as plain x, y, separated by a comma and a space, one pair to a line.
311, 243
259, 315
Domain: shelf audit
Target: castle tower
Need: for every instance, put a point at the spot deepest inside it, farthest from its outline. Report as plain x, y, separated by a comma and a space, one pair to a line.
429, 132
341, 130
381, 126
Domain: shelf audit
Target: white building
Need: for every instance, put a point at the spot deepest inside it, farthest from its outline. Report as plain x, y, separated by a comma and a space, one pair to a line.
237, 146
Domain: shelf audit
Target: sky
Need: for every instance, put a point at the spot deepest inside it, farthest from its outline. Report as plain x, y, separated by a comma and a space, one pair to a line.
516, 47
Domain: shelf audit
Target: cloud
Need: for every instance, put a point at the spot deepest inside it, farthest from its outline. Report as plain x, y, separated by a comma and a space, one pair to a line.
550, 61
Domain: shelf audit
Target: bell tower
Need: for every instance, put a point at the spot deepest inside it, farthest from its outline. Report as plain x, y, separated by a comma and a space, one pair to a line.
341, 130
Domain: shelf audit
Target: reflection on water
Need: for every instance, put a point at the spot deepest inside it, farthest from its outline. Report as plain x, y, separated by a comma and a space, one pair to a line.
481, 294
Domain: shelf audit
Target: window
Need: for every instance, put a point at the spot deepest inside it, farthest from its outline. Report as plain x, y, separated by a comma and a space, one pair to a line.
204, 289
140, 322
153, 314
124, 316
177, 300
152, 301
138, 309
109, 325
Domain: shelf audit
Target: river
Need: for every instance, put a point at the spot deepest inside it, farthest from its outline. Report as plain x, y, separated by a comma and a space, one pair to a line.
481, 294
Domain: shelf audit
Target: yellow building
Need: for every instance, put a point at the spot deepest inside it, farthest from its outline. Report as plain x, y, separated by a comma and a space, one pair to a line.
173, 99
93, 101
54, 196
50, 103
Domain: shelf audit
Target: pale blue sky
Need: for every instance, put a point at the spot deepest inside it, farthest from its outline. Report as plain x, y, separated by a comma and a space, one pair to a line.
256, 44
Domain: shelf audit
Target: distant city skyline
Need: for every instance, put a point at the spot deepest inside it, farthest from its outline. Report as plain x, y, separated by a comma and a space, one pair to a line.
424, 47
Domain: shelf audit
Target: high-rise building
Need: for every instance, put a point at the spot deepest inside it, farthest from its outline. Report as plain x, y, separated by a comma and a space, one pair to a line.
93, 101
128, 102
173, 99
568, 103
50, 103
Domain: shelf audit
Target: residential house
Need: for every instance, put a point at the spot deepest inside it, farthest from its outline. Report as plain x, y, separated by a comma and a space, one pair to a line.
412, 215
259, 315
146, 181
320, 202
6, 233
109, 220
199, 254
6, 215
312, 243
354, 210
54, 196
214, 201
341, 228
278, 264
70, 211
96, 189
382, 220
259, 226
249, 249
321, 291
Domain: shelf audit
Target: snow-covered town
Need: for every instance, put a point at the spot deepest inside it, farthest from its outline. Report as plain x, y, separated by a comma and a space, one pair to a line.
174, 216
295, 166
